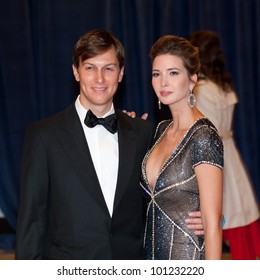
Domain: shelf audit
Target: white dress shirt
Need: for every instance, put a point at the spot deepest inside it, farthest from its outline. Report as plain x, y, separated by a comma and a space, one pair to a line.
103, 147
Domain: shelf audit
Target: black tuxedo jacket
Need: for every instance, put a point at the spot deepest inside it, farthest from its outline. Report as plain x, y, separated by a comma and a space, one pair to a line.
62, 212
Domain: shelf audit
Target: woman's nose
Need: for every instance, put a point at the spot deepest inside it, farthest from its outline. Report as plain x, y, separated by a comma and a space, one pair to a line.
164, 82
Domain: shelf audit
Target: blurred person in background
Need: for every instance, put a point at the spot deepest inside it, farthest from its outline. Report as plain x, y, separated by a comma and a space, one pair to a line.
216, 99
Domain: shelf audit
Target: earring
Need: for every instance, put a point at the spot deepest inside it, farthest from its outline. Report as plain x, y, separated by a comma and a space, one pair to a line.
159, 104
191, 100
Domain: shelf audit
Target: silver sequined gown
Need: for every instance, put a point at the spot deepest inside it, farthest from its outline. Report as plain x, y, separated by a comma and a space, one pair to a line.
176, 193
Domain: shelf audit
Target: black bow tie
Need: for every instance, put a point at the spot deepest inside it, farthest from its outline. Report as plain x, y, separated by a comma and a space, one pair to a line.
109, 122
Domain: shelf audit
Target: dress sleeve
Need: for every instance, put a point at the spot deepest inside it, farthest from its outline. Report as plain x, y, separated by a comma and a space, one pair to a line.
207, 147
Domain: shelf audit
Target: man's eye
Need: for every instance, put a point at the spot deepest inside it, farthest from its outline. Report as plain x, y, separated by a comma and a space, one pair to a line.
109, 69
89, 68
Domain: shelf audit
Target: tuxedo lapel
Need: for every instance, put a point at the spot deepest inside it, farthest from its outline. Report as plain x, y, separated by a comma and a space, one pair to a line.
73, 140
127, 150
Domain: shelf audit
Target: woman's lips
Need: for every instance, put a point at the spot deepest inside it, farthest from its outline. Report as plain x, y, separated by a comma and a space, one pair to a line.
164, 93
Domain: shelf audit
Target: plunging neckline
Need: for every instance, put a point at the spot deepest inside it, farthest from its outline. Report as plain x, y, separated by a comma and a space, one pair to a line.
167, 160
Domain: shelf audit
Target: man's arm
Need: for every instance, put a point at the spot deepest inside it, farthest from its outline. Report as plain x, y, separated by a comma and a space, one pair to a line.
32, 213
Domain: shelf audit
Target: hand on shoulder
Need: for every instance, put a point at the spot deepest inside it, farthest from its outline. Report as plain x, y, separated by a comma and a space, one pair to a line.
132, 114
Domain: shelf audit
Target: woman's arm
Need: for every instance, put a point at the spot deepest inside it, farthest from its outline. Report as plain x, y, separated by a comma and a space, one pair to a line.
210, 181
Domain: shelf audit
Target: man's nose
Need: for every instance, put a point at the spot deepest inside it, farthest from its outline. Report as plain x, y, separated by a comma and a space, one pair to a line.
99, 76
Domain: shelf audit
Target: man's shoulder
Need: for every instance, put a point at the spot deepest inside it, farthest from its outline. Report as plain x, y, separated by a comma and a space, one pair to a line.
64, 115
134, 122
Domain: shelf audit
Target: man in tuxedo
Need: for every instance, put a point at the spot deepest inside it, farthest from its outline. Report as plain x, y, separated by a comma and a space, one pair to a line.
80, 196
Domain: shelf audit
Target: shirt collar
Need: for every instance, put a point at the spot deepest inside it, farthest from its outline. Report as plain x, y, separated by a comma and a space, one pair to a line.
82, 111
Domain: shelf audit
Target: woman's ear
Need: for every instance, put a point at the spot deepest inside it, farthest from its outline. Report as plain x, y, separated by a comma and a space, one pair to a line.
193, 79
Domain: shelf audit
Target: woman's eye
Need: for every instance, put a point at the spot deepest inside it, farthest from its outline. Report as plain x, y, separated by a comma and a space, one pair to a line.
174, 73
155, 74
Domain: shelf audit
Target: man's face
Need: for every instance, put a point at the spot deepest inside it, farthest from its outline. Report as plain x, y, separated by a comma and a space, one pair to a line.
98, 78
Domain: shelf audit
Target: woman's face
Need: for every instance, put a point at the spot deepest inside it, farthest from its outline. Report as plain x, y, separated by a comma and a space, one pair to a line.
170, 80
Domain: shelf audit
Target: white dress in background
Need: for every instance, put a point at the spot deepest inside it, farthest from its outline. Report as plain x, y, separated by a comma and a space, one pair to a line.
240, 207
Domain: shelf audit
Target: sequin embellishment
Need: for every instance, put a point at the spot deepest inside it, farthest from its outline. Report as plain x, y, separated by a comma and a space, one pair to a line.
176, 193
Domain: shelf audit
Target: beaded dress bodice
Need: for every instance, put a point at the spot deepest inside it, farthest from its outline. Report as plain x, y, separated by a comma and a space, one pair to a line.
176, 193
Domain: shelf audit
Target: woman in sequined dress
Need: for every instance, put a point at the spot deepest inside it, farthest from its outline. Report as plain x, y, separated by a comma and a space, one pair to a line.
216, 99
182, 172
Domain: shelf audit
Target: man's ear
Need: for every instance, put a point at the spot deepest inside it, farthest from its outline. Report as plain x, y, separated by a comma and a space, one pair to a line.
75, 72
121, 74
